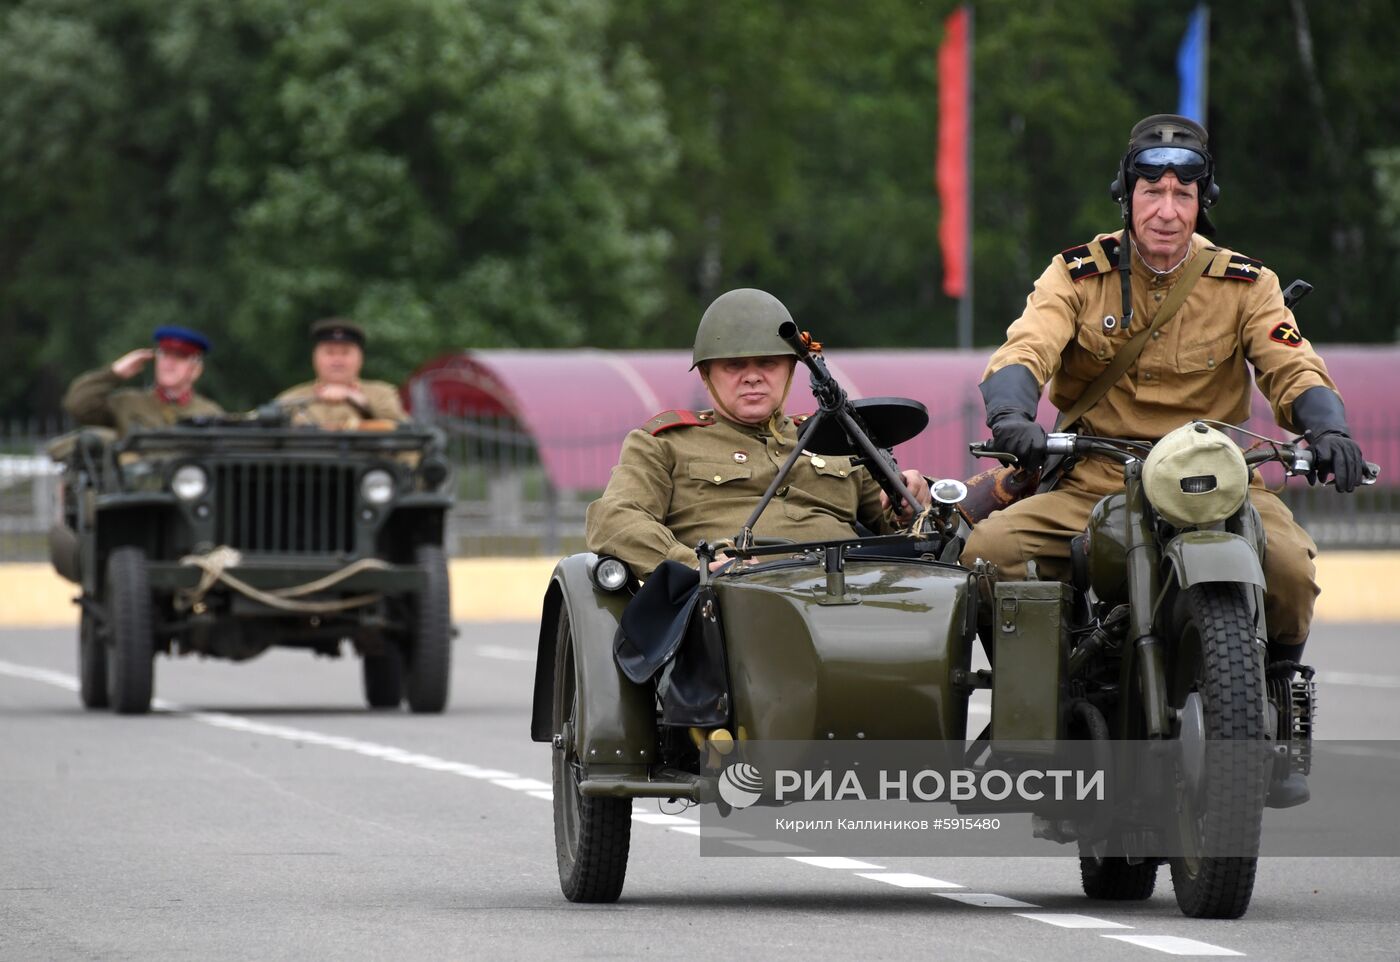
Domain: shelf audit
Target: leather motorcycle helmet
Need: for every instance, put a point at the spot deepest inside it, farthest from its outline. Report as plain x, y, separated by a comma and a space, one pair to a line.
1195, 476
1164, 142
741, 323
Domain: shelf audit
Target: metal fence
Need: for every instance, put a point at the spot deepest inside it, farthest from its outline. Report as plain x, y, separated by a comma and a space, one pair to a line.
506, 504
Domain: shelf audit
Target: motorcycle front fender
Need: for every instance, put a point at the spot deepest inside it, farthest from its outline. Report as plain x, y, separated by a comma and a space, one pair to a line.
1201, 557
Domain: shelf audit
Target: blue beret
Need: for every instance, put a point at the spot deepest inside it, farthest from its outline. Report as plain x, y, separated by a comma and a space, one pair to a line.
184, 335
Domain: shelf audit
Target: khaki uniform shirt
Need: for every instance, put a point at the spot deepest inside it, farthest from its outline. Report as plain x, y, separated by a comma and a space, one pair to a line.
98, 398
1196, 366
689, 482
381, 403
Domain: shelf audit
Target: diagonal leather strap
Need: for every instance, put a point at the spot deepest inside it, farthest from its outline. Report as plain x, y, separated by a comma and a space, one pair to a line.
1129, 352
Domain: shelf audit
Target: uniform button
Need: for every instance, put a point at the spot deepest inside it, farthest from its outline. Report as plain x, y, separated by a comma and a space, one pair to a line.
1156, 334
782, 492
1210, 363
1145, 377
842, 472
1103, 354
1157, 296
718, 479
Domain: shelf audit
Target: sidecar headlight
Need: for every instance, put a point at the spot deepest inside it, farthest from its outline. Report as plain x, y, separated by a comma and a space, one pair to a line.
1195, 476
948, 491
189, 482
609, 573
377, 486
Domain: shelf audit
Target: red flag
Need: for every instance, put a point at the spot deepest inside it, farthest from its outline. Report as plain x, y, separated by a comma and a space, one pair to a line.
954, 130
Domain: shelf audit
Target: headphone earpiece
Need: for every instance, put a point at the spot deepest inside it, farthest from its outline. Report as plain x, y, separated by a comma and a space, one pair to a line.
1212, 194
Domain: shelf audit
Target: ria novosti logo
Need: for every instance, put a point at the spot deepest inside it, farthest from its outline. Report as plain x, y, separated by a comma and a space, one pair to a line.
740, 785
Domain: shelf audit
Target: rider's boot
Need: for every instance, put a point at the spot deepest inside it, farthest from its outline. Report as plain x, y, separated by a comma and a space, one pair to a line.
1292, 788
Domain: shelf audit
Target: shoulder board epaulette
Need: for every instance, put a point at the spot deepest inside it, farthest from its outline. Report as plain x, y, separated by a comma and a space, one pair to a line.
1091, 259
801, 419
1235, 266
678, 419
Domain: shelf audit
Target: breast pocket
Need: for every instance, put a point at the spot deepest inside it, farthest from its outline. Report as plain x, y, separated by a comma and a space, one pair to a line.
822, 485
1090, 354
718, 472
1207, 355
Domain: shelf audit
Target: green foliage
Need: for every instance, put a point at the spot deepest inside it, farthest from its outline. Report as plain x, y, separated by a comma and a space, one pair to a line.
463, 173
449, 173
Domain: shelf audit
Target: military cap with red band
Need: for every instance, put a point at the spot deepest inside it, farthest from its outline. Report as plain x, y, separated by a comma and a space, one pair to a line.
183, 341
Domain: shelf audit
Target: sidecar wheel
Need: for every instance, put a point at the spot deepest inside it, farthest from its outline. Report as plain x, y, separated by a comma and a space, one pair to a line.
1229, 683
1113, 879
592, 836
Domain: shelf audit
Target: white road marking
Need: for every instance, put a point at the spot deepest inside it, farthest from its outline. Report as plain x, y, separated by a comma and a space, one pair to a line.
909, 880
765, 846
1174, 945
1068, 920
832, 861
986, 900
502, 653
538, 789
55, 678
1357, 678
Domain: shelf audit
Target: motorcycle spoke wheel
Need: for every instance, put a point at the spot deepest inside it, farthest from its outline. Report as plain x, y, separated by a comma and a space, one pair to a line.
1226, 814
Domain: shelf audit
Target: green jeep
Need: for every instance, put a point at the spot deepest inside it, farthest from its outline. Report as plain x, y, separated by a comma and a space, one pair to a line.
222, 537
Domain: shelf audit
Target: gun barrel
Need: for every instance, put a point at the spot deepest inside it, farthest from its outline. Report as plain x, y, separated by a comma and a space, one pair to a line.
788, 331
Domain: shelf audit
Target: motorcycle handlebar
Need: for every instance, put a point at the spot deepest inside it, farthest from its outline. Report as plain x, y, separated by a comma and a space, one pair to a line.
1296, 458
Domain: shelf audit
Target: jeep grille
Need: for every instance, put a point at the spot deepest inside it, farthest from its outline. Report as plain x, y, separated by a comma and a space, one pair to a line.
279, 508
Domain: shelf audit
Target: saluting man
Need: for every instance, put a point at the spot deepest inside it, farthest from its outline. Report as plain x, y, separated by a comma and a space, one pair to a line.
1196, 365
338, 399
687, 476
98, 397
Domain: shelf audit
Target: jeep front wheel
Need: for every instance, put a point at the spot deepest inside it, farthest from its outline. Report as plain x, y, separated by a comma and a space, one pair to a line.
131, 655
428, 658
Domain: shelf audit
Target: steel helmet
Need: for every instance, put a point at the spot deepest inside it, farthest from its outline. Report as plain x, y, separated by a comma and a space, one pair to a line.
741, 323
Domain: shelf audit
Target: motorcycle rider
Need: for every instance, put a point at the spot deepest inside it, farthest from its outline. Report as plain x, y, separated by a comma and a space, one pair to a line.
685, 476
1092, 299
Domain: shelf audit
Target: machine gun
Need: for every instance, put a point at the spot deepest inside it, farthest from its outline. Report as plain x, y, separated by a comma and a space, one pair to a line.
867, 429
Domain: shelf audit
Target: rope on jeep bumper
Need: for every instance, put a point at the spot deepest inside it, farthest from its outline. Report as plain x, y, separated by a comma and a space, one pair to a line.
215, 563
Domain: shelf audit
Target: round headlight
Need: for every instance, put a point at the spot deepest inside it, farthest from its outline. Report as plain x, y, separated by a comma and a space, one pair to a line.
610, 574
377, 486
948, 491
1195, 476
189, 482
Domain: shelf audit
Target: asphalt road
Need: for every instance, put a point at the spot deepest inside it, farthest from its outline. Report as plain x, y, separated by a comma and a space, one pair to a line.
264, 814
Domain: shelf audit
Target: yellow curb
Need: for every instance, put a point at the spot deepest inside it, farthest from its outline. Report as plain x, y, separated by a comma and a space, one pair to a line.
511, 589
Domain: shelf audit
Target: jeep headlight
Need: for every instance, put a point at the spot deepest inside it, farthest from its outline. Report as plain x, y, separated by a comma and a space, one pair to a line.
609, 573
189, 482
1195, 476
377, 486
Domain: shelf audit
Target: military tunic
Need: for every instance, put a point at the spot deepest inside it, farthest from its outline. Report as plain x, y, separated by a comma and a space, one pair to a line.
381, 403
1197, 365
98, 398
688, 477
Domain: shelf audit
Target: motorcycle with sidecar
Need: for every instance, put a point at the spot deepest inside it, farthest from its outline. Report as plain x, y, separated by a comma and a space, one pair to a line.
1159, 637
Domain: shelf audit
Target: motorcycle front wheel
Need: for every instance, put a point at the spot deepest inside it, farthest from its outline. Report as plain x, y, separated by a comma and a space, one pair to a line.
1225, 701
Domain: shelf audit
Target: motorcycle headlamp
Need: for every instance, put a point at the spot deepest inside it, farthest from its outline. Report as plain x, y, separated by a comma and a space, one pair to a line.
1189, 164
609, 573
1195, 476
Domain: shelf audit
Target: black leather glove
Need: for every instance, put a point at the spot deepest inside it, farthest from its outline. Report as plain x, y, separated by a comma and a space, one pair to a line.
1011, 395
1337, 454
1319, 412
1019, 435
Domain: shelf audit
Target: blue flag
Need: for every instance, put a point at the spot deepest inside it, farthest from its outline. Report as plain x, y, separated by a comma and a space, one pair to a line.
1191, 65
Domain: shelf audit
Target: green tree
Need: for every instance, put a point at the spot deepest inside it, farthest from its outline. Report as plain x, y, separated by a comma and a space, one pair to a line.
450, 173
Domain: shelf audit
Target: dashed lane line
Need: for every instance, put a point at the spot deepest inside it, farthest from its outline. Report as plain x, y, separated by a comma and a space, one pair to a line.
1171, 945
1174, 945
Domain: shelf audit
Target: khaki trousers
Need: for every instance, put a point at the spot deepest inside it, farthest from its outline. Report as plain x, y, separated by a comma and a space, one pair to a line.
1040, 528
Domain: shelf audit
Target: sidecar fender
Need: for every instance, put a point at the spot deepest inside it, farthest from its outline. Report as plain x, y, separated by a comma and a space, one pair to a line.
1200, 557
616, 718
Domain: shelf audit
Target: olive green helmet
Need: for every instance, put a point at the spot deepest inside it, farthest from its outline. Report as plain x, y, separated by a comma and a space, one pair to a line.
741, 323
